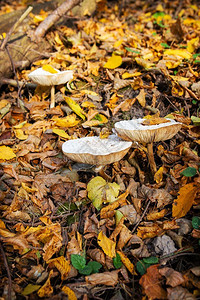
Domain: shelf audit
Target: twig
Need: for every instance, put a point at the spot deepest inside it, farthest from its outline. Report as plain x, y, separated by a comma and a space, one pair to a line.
13, 82
25, 14
8, 272
142, 216
54, 17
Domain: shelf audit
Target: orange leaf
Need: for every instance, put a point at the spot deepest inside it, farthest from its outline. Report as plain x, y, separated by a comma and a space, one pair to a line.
46, 290
184, 201
71, 295
128, 264
151, 283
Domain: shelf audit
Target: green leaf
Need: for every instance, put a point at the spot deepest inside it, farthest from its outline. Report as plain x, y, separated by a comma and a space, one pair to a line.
78, 261
194, 101
30, 288
95, 266
131, 50
196, 61
87, 270
150, 260
141, 267
196, 55
117, 261
158, 14
189, 172
196, 222
165, 45
195, 120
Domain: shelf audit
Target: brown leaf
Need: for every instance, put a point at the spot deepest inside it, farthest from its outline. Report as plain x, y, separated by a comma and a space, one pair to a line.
173, 278
151, 283
179, 293
106, 278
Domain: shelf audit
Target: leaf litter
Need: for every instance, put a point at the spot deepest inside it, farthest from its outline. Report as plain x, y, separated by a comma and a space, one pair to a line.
122, 233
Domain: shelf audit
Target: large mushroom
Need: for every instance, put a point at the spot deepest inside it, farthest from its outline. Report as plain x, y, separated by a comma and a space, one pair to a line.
95, 151
46, 78
139, 130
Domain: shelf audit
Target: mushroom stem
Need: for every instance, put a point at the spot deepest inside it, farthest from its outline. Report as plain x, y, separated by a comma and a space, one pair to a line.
52, 105
151, 158
100, 171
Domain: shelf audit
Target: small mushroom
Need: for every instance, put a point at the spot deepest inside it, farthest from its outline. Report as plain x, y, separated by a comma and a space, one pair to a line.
95, 151
136, 130
43, 77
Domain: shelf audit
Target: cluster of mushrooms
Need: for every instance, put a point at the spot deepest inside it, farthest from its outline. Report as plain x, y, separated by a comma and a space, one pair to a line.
101, 152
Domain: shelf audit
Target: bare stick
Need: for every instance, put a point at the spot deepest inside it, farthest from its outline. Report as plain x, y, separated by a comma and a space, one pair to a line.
54, 17
8, 272
25, 14
142, 216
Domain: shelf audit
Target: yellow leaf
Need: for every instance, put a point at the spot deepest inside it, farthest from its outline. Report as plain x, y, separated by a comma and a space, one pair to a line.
113, 62
192, 45
107, 245
3, 103
88, 104
128, 264
67, 122
6, 153
129, 75
117, 43
178, 52
158, 177
28, 189
20, 125
184, 201
71, 295
141, 98
62, 265
75, 107
88, 92
46, 290
156, 215
49, 69
173, 64
20, 134
143, 63
100, 191
61, 133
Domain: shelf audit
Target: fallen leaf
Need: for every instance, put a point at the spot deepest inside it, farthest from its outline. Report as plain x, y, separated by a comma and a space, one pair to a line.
152, 284
62, 265
49, 69
6, 153
173, 278
184, 201
75, 107
61, 133
46, 290
99, 191
126, 261
107, 245
71, 295
113, 62
106, 278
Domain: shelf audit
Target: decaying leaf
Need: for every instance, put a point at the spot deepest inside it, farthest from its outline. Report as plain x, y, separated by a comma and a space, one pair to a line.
106, 278
185, 200
152, 283
101, 192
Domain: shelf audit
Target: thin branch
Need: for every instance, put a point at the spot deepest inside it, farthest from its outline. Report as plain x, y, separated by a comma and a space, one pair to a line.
8, 272
54, 17
25, 14
142, 216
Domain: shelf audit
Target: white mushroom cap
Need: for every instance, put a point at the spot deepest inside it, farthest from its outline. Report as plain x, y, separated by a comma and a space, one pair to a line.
43, 77
95, 151
134, 130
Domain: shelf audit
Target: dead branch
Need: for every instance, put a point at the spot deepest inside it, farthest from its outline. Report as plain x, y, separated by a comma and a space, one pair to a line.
54, 17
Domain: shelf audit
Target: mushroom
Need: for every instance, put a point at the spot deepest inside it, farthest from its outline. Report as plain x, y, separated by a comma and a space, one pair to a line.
46, 78
137, 130
95, 151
